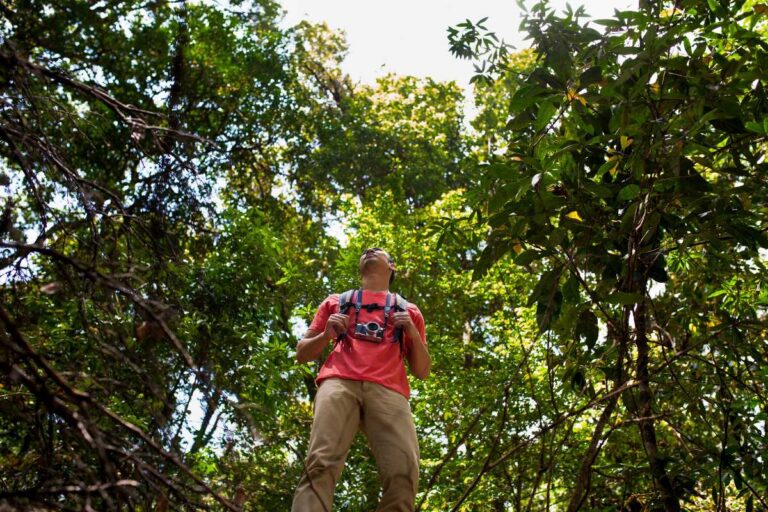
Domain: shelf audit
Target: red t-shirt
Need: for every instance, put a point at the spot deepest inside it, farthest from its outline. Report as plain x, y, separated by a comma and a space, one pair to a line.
358, 359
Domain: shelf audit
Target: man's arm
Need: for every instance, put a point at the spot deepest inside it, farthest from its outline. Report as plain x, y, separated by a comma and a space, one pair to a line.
418, 356
312, 344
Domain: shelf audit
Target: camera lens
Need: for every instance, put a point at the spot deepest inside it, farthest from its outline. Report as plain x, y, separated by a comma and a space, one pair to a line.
372, 326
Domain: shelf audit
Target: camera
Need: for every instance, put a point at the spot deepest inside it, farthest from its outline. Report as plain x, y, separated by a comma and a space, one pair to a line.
370, 331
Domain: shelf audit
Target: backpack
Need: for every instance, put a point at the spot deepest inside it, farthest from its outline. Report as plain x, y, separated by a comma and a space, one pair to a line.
354, 298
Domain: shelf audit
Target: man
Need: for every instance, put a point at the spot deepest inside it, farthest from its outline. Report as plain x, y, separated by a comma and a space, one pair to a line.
363, 385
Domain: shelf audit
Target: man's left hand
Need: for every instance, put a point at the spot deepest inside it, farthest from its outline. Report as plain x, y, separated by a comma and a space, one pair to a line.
404, 320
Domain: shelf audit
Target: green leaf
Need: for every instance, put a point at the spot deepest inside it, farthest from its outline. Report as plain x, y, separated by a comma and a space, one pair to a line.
559, 58
543, 77
758, 128
578, 381
548, 310
609, 165
590, 76
571, 290
544, 115
629, 192
747, 235
629, 398
488, 257
520, 121
624, 298
597, 189
628, 219
716, 7
526, 257
610, 23
587, 328
525, 97
544, 288
687, 46
657, 272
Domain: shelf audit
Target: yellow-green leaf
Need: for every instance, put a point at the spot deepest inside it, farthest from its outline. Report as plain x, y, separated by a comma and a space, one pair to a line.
574, 215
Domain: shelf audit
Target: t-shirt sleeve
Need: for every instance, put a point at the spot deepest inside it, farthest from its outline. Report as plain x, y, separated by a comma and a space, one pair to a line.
324, 311
418, 321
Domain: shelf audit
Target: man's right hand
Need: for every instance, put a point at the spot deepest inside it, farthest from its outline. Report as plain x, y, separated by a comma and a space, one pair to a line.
336, 324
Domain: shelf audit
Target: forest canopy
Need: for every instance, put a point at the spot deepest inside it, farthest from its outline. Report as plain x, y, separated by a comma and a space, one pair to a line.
182, 184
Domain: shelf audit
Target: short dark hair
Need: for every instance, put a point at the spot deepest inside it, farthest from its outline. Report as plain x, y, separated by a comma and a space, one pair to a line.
392, 275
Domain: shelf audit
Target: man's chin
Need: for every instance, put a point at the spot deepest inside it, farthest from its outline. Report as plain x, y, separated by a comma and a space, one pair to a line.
367, 263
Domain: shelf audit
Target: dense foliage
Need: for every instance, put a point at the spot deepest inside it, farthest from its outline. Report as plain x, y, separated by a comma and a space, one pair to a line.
182, 183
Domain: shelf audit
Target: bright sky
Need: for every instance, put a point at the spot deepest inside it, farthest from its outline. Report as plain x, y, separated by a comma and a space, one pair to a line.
409, 37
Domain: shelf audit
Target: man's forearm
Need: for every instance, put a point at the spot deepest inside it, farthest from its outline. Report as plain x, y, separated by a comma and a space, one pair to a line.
311, 346
421, 362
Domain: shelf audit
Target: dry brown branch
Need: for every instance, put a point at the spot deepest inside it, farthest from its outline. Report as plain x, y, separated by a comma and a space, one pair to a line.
74, 405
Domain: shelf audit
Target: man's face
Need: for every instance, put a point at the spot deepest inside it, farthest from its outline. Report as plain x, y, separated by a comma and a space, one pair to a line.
375, 257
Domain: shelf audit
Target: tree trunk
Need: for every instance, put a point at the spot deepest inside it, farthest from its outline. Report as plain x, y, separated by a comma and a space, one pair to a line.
645, 410
466, 341
583, 480
584, 477
200, 437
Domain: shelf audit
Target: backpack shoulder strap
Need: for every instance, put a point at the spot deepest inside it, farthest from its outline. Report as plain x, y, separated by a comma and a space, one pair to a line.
345, 301
400, 303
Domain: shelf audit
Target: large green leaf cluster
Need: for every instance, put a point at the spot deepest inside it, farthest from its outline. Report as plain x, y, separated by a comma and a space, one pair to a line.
631, 169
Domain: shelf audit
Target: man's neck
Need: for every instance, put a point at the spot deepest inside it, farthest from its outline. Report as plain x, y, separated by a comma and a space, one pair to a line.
375, 283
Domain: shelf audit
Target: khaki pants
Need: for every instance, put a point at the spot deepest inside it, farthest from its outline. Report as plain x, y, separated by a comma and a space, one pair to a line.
341, 407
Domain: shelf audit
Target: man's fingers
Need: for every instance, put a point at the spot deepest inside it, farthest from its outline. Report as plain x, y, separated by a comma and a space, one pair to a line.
402, 319
338, 323
340, 320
